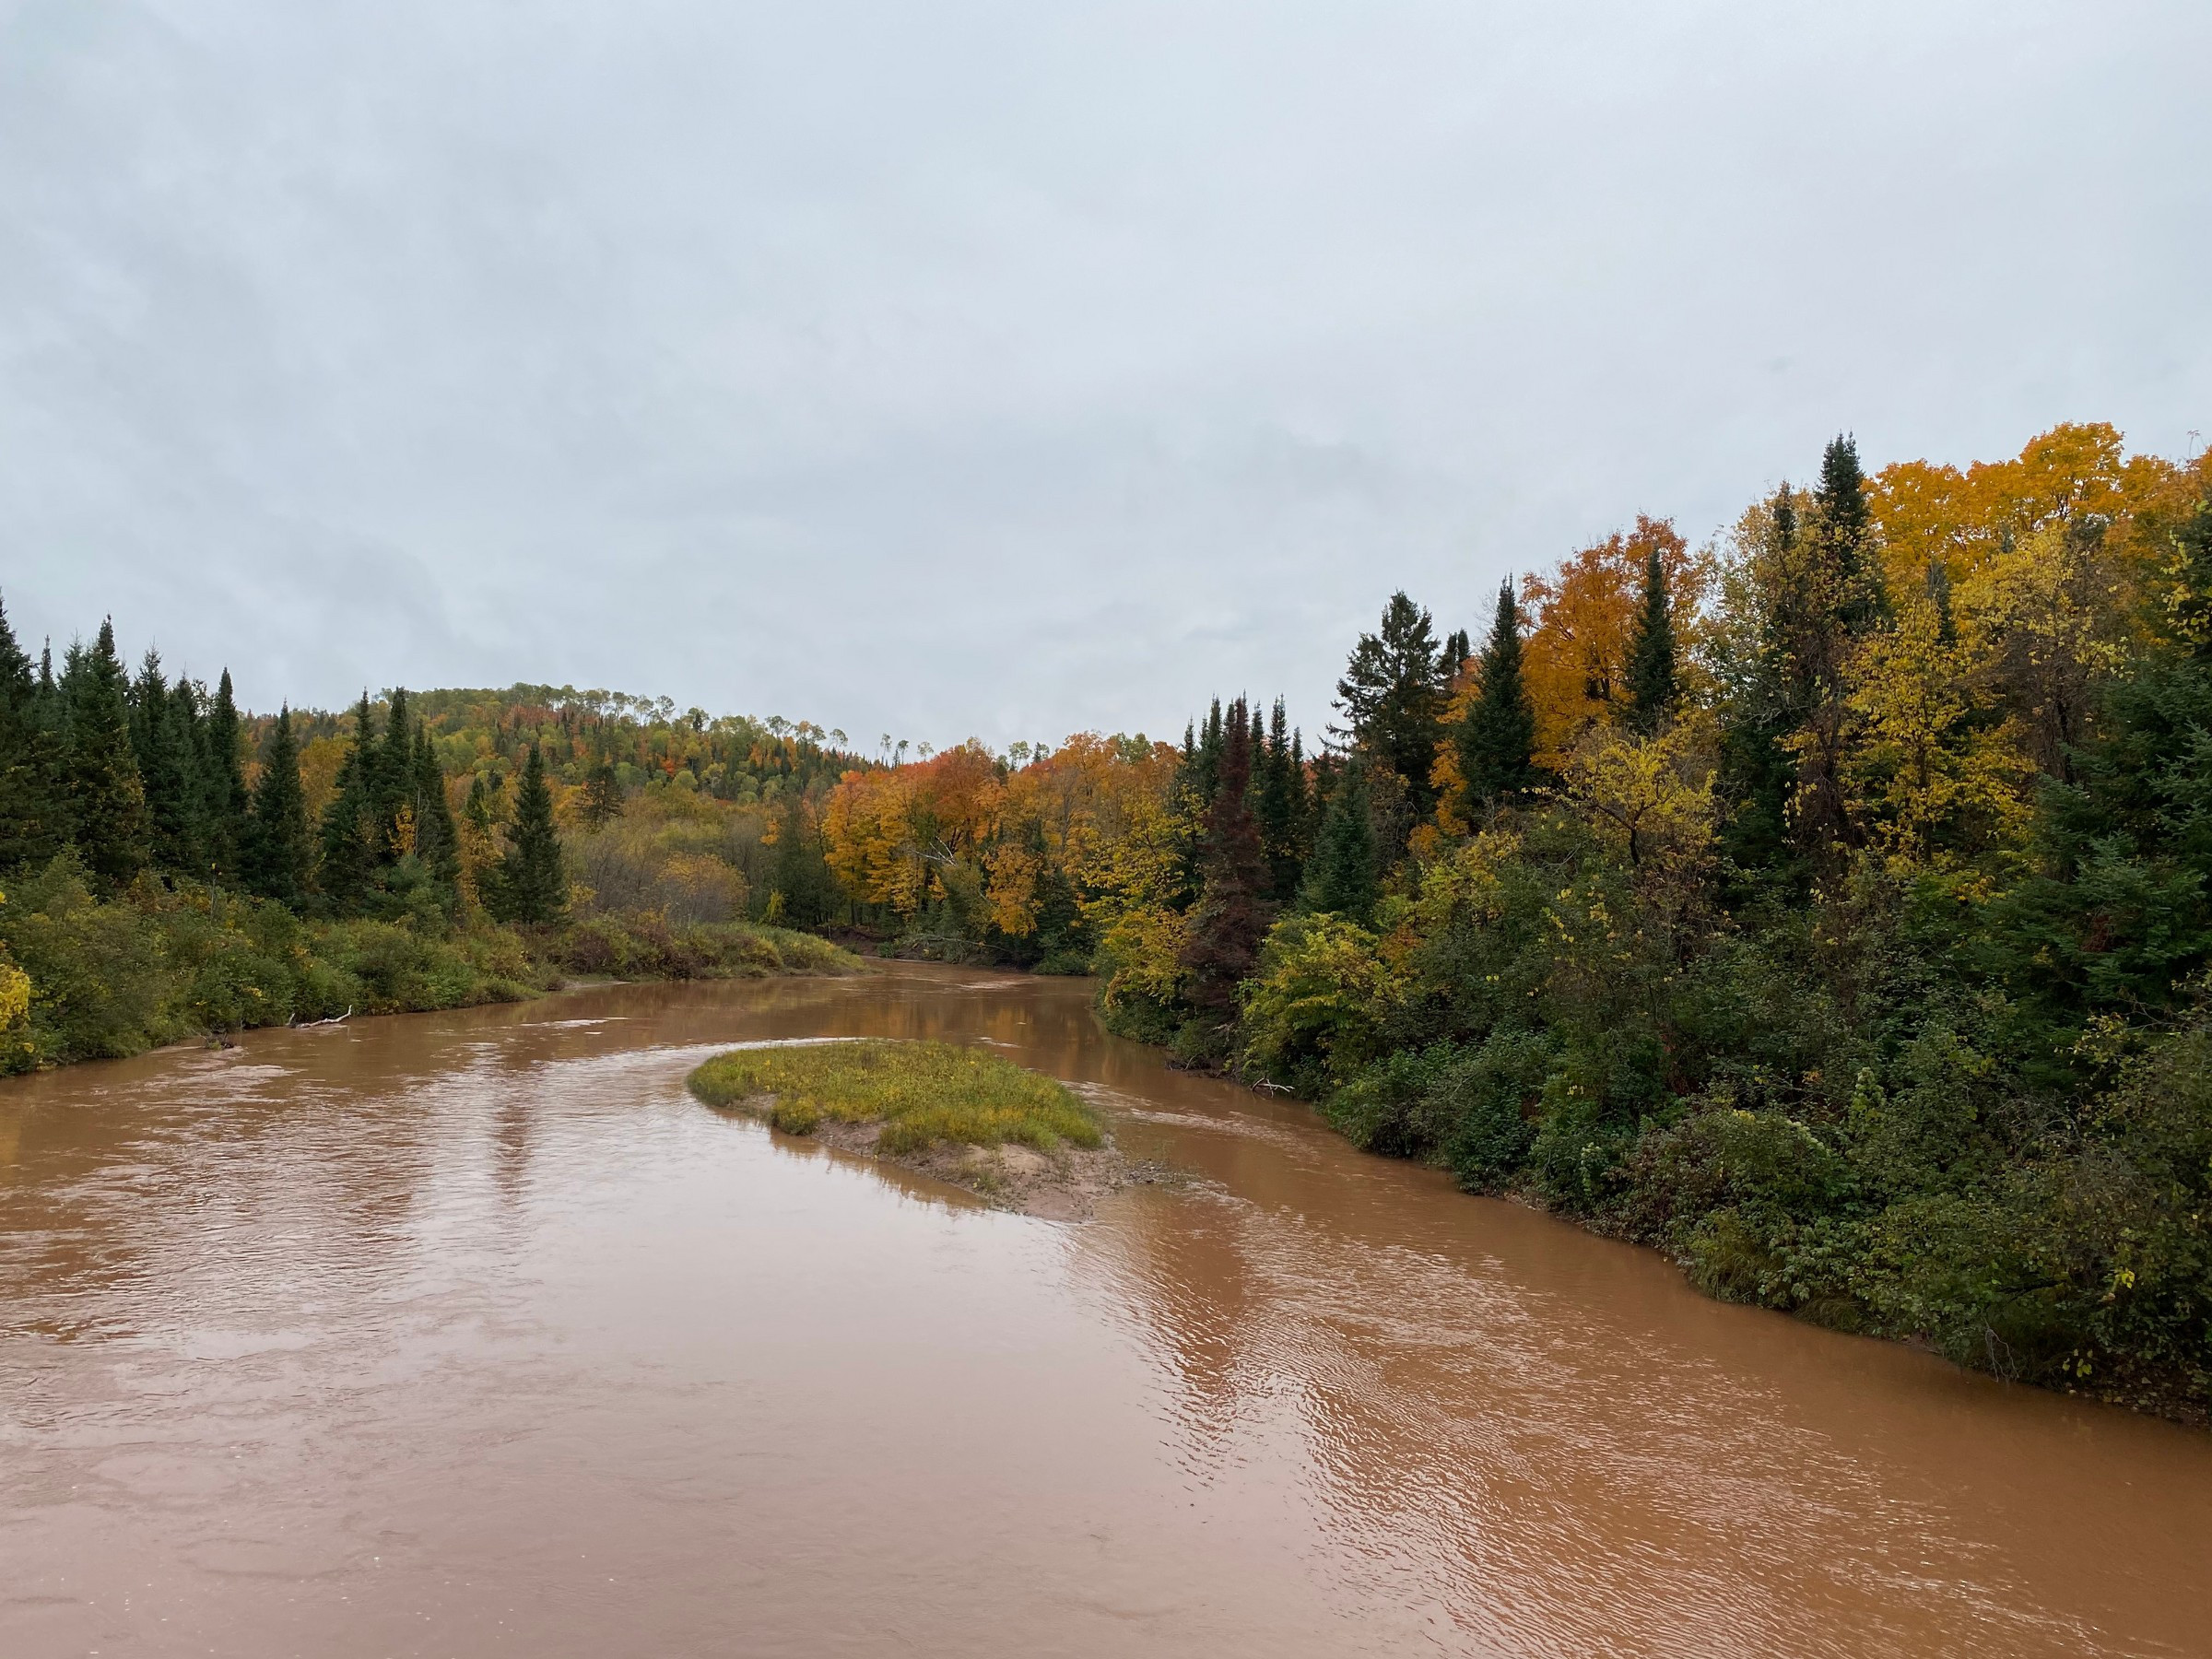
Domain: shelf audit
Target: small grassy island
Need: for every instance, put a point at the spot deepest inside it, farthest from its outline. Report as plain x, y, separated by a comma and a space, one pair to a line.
960, 1113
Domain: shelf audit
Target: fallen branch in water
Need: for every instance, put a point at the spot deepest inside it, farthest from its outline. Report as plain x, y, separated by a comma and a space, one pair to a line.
334, 1019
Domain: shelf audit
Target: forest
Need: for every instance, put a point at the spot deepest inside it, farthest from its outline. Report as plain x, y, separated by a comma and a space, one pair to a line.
1829, 906
176, 868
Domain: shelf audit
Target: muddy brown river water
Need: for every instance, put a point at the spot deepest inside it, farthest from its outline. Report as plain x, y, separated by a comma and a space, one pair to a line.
472, 1333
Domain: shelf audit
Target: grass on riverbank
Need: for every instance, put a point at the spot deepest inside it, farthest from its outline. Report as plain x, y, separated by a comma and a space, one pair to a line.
112, 977
921, 1093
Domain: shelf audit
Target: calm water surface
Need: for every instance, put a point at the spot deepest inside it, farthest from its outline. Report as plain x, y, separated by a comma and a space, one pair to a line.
471, 1335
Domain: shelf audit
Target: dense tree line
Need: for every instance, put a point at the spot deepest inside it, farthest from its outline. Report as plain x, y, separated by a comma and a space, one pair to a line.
1830, 907
138, 777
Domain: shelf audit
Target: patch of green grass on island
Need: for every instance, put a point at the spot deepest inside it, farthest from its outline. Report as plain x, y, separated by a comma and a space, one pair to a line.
921, 1093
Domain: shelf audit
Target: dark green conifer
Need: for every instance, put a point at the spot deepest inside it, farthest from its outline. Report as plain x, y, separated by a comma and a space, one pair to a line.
223, 801
278, 854
1280, 805
437, 840
532, 885
34, 818
107, 798
1340, 877
602, 794
164, 742
1652, 683
1498, 737
349, 850
1232, 912
1392, 697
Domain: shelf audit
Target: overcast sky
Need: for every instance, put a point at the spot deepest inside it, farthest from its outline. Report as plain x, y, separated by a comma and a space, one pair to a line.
1013, 367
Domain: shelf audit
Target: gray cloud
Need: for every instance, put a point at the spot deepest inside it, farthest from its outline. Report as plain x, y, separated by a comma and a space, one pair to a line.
1005, 369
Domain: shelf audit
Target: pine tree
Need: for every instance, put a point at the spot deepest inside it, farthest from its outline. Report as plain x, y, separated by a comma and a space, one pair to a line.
1232, 915
34, 819
1765, 695
347, 865
1392, 697
1652, 684
223, 801
1497, 738
1340, 876
278, 854
437, 838
532, 885
107, 798
1458, 648
165, 744
1280, 805
1846, 521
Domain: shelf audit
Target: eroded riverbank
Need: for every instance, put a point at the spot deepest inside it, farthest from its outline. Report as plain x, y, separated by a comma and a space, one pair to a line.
473, 1332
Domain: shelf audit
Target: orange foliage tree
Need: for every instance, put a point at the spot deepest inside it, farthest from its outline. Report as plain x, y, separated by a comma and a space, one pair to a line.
1576, 661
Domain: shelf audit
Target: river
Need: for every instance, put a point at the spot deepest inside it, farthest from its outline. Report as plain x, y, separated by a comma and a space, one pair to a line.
473, 1334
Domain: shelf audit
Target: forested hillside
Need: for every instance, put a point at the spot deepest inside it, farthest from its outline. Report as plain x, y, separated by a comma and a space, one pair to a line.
1829, 907
177, 868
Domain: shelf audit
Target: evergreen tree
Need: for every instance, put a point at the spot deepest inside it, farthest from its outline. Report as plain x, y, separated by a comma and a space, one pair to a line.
1760, 708
800, 874
1652, 683
1232, 915
165, 741
602, 794
277, 851
1341, 877
1280, 805
107, 798
437, 838
1497, 736
347, 866
1827, 597
223, 801
1392, 696
1458, 648
1846, 522
34, 818
531, 885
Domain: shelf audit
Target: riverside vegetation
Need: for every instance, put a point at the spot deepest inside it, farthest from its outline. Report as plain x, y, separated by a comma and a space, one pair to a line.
176, 868
1829, 907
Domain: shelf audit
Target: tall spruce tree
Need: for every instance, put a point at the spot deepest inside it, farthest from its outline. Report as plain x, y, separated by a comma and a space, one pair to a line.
1392, 698
165, 735
1341, 877
1232, 912
1762, 700
1497, 738
107, 799
437, 838
276, 857
223, 800
1280, 805
1829, 598
346, 866
1653, 686
532, 885
34, 818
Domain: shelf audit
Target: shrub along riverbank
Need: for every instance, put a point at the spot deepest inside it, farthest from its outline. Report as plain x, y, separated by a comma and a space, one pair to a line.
100, 979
